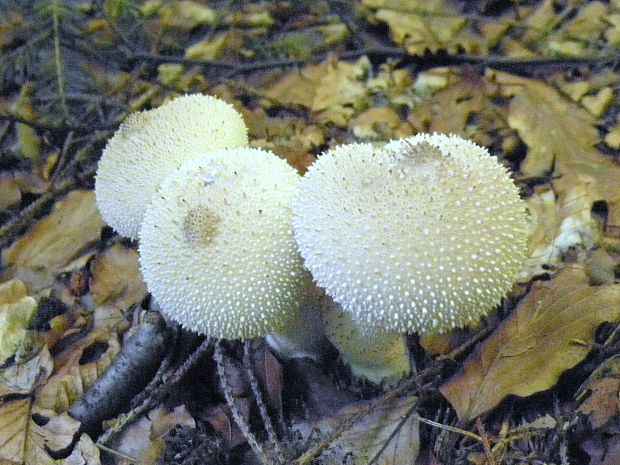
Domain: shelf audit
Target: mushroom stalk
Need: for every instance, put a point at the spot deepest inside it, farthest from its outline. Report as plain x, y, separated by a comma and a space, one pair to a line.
378, 356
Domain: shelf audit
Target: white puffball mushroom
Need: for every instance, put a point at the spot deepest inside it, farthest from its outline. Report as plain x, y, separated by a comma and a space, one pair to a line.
217, 249
424, 235
151, 144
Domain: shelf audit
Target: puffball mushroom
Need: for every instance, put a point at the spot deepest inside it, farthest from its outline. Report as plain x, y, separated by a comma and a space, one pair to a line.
424, 235
217, 249
151, 144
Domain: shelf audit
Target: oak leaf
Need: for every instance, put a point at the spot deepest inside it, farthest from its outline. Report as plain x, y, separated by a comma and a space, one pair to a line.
550, 331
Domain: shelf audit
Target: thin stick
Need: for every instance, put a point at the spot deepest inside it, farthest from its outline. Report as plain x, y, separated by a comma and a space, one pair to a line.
239, 420
259, 402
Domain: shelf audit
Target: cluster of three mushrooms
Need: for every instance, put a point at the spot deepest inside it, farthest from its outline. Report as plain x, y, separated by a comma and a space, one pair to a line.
425, 234
213, 220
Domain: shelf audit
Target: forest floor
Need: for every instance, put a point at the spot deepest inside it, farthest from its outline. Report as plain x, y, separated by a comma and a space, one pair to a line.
535, 82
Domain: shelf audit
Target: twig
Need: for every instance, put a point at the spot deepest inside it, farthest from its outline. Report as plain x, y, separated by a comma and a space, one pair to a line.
447, 427
118, 453
392, 435
58, 65
486, 445
247, 364
127, 376
241, 423
155, 392
79, 129
426, 61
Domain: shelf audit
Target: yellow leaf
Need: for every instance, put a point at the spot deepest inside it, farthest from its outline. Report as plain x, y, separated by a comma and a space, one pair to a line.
16, 310
116, 278
207, 49
30, 434
79, 365
561, 138
376, 123
530, 349
187, 15
51, 243
335, 92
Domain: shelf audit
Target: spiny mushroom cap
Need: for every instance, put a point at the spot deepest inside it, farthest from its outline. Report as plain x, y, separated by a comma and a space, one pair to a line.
217, 249
151, 144
426, 234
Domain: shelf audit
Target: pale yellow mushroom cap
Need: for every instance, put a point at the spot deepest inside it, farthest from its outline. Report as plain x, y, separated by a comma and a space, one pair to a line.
151, 144
217, 249
424, 235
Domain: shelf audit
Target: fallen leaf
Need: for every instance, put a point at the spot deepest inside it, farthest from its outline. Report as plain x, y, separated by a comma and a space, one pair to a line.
116, 278
561, 137
531, 349
23, 378
602, 452
85, 452
186, 15
599, 395
52, 242
143, 440
79, 365
29, 433
269, 374
376, 123
16, 310
335, 91
384, 436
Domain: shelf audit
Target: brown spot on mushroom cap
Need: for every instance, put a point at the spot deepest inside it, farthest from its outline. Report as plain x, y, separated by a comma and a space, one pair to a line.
151, 144
426, 234
217, 249
201, 225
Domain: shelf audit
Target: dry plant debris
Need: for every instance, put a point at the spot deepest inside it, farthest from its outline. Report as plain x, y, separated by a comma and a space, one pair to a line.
535, 81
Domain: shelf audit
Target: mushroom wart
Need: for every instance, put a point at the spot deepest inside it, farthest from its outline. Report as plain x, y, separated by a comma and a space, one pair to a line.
424, 235
150, 145
217, 249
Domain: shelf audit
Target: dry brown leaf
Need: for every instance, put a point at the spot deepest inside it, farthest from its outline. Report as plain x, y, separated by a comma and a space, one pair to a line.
29, 433
450, 109
379, 123
600, 394
116, 278
220, 419
335, 92
561, 137
269, 374
289, 137
79, 365
16, 310
421, 26
385, 436
50, 244
296, 89
85, 452
538, 342
143, 440
23, 378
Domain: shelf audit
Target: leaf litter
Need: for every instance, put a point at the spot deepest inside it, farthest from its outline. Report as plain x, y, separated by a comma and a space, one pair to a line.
533, 82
